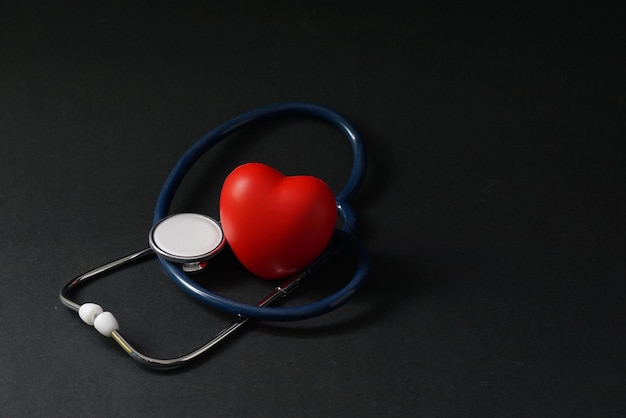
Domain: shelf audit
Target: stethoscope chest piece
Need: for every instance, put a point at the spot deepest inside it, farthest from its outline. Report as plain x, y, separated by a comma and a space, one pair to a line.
188, 239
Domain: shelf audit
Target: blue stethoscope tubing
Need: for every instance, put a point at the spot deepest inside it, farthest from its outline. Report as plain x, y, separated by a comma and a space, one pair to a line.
343, 236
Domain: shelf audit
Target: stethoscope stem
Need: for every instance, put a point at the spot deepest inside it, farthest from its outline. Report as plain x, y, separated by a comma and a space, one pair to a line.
277, 293
65, 290
164, 364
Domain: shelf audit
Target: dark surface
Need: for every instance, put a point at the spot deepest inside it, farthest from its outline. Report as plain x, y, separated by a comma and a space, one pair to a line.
493, 206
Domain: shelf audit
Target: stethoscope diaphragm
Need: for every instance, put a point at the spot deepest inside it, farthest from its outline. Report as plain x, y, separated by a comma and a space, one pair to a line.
187, 238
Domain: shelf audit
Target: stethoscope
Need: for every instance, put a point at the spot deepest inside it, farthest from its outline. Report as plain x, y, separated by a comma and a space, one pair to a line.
184, 242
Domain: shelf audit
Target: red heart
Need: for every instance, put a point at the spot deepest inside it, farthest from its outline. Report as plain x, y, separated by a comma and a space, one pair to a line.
276, 225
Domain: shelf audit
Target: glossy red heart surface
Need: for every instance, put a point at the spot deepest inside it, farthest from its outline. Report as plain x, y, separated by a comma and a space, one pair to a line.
276, 225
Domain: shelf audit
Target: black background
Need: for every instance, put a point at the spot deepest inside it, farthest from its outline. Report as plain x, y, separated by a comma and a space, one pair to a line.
493, 206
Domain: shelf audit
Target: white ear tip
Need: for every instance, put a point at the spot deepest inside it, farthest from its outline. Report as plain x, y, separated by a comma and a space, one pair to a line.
106, 323
88, 312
